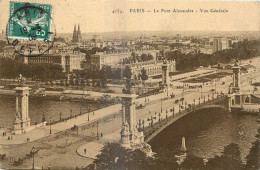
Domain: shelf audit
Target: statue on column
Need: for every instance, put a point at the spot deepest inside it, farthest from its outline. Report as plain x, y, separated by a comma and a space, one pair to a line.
21, 81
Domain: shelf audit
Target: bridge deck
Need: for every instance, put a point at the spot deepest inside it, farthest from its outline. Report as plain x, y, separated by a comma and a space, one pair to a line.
151, 131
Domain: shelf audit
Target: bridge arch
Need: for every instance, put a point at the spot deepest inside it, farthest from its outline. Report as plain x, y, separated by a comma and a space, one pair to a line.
160, 126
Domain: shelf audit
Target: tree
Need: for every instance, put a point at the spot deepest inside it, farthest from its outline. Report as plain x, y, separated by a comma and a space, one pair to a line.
254, 155
215, 163
117, 74
165, 159
143, 75
114, 156
193, 162
230, 159
105, 73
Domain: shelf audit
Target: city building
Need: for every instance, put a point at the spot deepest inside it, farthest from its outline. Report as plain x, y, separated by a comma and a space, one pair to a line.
97, 38
152, 68
224, 44
113, 58
68, 59
74, 61
217, 45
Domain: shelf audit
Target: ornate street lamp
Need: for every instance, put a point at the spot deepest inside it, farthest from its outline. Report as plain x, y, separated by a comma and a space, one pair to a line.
33, 150
161, 105
60, 116
50, 125
97, 132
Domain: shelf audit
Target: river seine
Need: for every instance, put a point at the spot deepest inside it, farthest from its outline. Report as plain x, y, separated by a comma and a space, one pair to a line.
42, 106
207, 131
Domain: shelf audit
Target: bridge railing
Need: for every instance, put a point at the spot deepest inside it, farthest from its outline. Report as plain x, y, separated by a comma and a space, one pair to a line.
157, 127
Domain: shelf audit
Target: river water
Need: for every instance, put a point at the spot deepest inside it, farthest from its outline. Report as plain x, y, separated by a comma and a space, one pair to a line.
207, 131
39, 106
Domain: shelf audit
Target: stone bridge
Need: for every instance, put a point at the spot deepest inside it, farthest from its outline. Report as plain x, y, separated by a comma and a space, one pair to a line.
151, 131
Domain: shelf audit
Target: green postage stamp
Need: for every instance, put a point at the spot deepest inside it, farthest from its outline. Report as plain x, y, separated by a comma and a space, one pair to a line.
30, 21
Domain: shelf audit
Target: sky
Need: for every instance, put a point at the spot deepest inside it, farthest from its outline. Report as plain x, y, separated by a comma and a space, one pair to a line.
97, 16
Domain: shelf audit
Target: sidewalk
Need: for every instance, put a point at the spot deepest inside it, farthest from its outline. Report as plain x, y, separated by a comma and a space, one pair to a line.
41, 132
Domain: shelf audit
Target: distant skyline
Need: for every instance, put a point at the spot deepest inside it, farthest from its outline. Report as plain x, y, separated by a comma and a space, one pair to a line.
96, 16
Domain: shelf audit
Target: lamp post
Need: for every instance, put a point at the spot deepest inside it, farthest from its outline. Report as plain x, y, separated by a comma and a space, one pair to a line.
70, 113
88, 113
143, 124
97, 132
43, 117
60, 116
201, 91
33, 157
50, 125
182, 89
215, 86
161, 105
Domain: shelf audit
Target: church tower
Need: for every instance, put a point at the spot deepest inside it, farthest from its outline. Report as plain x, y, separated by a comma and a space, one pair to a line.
79, 35
74, 39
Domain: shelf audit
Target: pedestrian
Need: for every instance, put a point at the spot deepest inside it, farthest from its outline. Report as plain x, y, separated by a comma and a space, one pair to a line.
8, 137
101, 134
49, 168
3, 133
85, 150
93, 113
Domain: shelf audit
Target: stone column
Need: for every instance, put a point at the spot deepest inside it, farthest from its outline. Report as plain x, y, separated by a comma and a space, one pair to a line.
123, 113
17, 103
229, 102
23, 122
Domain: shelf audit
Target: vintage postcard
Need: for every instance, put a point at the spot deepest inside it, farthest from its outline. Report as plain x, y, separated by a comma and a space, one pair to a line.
129, 85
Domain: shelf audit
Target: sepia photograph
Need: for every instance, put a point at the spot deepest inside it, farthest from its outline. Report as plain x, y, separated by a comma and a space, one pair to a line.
129, 85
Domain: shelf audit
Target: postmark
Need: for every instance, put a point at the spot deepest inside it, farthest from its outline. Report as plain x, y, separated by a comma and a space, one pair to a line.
30, 29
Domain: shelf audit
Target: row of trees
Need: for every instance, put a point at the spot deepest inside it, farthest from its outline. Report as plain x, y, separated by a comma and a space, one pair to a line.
240, 50
114, 156
47, 73
136, 58
11, 69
